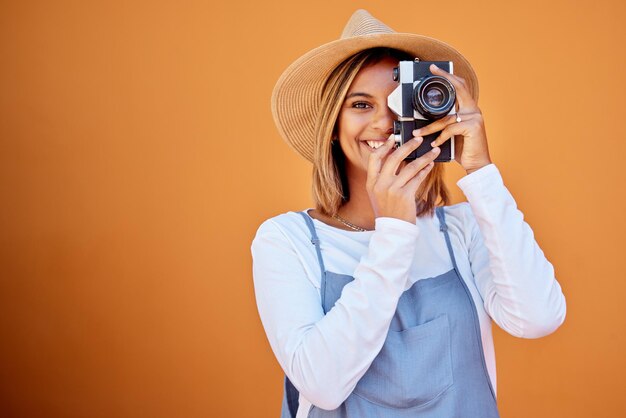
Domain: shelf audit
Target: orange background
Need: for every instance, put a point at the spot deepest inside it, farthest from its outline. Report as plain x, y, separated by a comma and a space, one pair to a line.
138, 156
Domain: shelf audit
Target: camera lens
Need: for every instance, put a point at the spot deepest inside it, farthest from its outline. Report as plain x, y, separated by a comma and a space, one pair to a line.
434, 97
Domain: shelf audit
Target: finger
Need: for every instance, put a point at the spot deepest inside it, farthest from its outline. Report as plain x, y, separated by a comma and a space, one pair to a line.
414, 183
440, 124
449, 131
411, 169
376, 159
465, 99
386, 149
374, 163
390, 167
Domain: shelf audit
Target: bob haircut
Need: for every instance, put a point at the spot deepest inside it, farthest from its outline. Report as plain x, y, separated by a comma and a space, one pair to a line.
330, 185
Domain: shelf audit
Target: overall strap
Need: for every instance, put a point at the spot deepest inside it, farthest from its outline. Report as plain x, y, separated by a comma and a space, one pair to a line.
443, 227
291, 401
314, 240
291, 395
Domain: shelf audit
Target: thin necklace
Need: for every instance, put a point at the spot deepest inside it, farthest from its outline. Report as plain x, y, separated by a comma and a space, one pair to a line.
349, 224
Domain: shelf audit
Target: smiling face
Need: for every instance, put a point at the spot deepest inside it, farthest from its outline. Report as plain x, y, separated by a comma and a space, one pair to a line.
365, 121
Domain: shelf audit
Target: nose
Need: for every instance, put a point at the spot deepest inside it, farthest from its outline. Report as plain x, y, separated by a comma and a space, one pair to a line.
383, 120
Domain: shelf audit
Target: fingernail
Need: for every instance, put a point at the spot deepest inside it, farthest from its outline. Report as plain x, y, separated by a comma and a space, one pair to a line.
435, 150
418, 138
416, 132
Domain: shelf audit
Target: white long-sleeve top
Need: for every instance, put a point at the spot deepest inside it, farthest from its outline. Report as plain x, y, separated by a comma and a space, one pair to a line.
324, 356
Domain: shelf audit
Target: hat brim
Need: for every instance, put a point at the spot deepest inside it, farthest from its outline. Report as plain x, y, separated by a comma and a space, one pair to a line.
296, 97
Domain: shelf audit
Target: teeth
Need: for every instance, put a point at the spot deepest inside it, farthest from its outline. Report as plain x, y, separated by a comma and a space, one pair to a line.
374, 144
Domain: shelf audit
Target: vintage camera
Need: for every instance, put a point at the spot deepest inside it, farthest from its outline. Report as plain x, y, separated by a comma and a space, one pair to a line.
420, 99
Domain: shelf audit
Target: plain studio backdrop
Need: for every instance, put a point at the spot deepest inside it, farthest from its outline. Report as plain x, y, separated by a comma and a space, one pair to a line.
138, 156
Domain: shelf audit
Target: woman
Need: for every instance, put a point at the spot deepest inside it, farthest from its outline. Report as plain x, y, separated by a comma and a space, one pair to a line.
378, 302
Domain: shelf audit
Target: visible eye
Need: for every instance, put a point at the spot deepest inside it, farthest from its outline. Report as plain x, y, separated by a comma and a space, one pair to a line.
361, 105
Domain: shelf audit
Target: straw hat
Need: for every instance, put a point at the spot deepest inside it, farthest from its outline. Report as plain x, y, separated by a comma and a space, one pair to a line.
296, 96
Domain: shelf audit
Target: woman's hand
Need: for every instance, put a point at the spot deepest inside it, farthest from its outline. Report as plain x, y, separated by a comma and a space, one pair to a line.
470, 139
392, 184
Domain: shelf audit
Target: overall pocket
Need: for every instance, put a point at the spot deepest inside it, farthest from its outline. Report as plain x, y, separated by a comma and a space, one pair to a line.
413, 368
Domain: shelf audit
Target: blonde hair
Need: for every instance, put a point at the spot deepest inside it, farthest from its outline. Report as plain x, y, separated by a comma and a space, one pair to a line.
330, 185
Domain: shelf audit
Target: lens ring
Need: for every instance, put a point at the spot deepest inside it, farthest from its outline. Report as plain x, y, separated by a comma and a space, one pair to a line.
434, 97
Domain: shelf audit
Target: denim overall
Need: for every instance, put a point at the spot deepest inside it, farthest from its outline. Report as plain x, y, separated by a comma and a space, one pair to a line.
431, 364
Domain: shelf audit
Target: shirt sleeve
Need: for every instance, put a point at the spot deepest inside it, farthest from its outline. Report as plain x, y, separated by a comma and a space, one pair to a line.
324, 356
512, 274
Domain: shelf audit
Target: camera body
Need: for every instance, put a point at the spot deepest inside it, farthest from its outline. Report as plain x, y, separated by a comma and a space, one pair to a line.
420, 99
